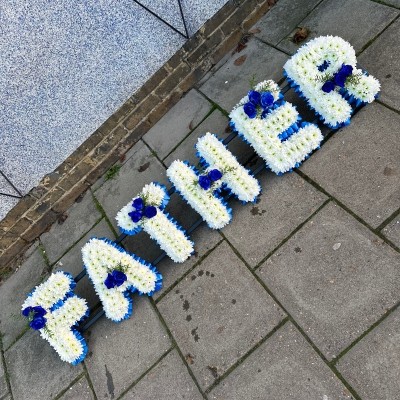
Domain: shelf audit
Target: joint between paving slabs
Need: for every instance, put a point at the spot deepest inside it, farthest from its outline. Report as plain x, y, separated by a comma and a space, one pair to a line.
214, 104
212, 109
375, 231
175, 345
368, 44
75, 380
386, 4
154, 153
298, 327
6, 374
245, 356
104, 215
89, 380
379, 101
136, 381
196, 264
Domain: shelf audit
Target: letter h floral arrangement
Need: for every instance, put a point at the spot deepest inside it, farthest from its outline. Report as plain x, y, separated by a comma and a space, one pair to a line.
324, 72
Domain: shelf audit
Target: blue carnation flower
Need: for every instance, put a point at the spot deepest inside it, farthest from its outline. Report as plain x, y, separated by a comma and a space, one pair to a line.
38, 323
110, 281
323, 66
328, 86
135, 216
138, 203
204, 182
254, 97
339, 79
267, 99
119, 277
39, 311
26, 311
250, 110
215, 175
346, 70
150, 211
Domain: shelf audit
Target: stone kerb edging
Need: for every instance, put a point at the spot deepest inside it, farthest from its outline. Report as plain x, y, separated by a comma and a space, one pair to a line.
44, 204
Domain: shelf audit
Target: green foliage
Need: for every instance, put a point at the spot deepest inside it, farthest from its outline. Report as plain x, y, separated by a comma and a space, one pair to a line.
112, 172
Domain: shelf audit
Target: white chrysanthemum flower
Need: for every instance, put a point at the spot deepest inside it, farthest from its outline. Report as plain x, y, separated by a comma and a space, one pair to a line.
101, 257
210, 207
234, 175
302, 71
162, 228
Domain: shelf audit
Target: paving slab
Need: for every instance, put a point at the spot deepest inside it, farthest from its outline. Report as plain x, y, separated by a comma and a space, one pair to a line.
284, 367
372, 365
120, 353
231, 82
204, 240
356, 21
224, 312
79, 391
382, 60
168, 380
13, 293
141, 169
285, 202
392, 231
280, 21
72, 262
3, 382
177, 123
360, 164
35, 369
335, 277
6, 204
80, 218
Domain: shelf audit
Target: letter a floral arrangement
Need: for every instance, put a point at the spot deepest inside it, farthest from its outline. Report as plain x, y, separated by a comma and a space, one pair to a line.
324, 72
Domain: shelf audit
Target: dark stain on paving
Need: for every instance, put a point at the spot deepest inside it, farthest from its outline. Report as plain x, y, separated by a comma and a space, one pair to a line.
389, 171
188, 317
144, 167
186, 305
110, 382
195, 335
297, 249
256, 211
233, 301
213, 370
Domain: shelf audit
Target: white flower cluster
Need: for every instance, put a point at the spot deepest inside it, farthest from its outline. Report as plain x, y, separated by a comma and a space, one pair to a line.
51, 291
161, 228
101, 256
62, 314
210, 207
234, 175
303, 73
69, 344
263, 136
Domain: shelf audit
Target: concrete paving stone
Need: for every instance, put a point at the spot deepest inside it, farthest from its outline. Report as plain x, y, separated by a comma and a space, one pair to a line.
382, 60
3, 382
176, 124
224, 312
283, 18
72, 262
231, 82
79, 391
120, 353
360, 164
284, 367
204, 240
392, 231
141, 169
372, 365
13, 293
169, 380
285, 202
6, 204
335, 277
216, 123
80, 218
35, 369
394, 3
356, 21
